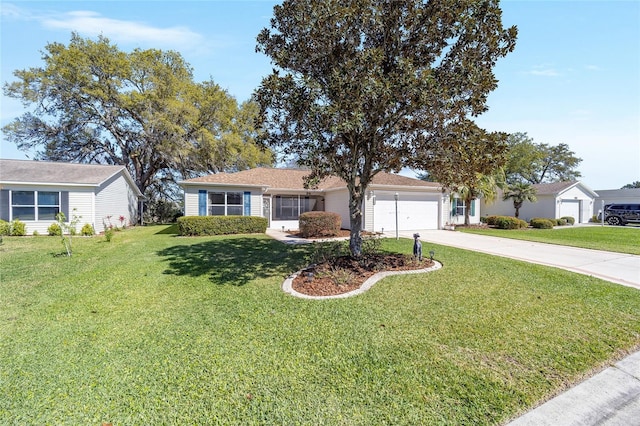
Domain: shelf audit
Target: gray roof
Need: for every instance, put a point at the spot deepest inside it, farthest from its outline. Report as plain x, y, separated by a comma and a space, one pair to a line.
46, 172
557, 188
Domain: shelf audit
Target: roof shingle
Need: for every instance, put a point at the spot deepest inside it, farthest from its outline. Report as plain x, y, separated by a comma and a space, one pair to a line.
294, 179
29, 171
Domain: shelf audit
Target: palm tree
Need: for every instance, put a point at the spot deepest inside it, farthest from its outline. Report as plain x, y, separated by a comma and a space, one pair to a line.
485, 186
519, 193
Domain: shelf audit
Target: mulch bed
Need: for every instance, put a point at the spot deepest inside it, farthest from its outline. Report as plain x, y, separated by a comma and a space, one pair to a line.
344, 274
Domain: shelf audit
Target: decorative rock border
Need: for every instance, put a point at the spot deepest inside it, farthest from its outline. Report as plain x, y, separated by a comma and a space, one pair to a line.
287, 285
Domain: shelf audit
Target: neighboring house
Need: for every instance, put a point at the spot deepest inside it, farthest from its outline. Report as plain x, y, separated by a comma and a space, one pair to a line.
280, 196
616, 196
554, 200
35, 191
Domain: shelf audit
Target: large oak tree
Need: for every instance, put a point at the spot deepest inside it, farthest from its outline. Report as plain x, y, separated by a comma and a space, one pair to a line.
359, 86
536, 163
92, 103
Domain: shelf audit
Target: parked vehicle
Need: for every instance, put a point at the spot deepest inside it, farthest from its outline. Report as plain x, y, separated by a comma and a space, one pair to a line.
621, 214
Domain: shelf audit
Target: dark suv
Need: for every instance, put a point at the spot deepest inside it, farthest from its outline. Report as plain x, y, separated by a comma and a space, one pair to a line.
621, 214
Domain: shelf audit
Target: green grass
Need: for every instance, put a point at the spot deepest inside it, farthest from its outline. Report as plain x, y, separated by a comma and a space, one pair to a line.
157, 329
608, 238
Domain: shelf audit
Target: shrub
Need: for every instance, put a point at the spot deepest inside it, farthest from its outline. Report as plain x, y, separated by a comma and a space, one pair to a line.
18, 229
221, 225
36, 233
506, 222
570, 219
5, 227
541, 223
87, 230
561, 222
319, 224
108, 234
54, 230
484, 219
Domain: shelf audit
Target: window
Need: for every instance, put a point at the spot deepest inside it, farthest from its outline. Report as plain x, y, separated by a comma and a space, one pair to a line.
225, 203
289, 207
458, 207
35, 205
48, 205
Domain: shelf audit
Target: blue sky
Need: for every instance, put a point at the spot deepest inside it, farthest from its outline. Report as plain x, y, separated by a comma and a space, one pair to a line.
573, 78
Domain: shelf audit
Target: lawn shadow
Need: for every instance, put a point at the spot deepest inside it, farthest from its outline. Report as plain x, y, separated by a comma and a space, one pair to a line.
171, 229
234, 260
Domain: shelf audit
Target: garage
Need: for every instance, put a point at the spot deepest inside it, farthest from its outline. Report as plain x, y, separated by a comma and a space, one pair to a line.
570, 208
415, 211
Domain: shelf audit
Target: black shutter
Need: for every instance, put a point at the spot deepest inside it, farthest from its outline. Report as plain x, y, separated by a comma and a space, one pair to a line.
4, 205
64, 204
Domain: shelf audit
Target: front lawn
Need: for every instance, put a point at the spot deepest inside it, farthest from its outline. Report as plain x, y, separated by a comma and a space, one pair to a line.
609, 238
156, 329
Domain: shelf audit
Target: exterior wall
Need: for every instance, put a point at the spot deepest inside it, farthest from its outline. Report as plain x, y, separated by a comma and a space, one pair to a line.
191, 201
82, 200
80, 204
338, 202
115, 198
499, 208
459, 219
191, 198
546, 206
585, 201
617, 196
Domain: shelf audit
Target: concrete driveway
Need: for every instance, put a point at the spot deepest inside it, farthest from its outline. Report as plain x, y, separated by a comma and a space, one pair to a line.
619, 268
611, 397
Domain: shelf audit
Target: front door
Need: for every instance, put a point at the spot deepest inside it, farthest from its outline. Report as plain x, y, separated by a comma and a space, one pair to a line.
266, 209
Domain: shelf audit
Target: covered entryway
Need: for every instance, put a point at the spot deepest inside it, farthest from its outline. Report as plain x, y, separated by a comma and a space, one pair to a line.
415, 211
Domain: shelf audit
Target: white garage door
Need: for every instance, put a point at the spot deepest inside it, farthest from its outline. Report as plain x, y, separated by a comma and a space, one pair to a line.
415, 211
570, 208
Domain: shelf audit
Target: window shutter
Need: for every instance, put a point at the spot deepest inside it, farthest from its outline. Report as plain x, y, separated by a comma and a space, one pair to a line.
247, 203
64, 204
4, 205
202, 202
473, 207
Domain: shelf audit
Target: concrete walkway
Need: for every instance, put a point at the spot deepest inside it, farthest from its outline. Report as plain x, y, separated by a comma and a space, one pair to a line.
611, 397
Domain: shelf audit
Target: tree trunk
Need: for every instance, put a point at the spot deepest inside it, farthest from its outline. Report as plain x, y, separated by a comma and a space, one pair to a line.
356, 194
517, 206
467, 212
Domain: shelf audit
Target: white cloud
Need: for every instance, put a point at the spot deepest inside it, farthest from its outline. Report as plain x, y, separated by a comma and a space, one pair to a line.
544, 72
593, 68
93, 24
8, 10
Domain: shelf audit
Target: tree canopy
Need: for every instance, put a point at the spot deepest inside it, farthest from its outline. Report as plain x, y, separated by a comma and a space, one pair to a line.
469, 162
632, 185
362, 86
535, 163
93, 103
